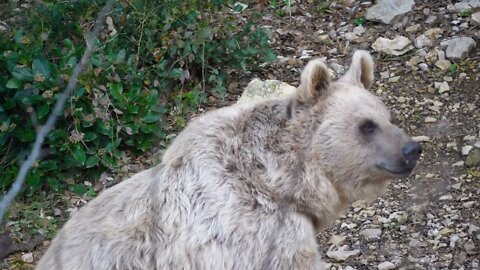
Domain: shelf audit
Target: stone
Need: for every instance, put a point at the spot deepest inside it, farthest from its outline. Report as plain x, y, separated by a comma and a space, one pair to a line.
341, 254
473, 158
464, 5
466, 150
442, 87
258, 89
421, 138
423, 41
434, 33
386, 11
397, 46
459, 48
476, 18
430, 119
337, 240
413, 28
371, 234
386, 266
27, 257
443, 64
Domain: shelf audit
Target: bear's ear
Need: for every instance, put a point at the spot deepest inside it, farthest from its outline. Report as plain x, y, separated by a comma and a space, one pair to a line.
361, 70
314, 81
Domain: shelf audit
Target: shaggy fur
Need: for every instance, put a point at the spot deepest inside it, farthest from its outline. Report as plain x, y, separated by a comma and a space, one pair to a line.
244, 187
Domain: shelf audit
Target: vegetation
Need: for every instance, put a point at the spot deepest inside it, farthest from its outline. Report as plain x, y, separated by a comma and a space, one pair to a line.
155, 60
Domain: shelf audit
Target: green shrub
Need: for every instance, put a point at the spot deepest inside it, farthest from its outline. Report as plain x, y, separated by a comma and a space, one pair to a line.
122, 98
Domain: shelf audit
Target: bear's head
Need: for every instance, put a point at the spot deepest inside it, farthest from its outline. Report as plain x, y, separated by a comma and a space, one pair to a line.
358, 147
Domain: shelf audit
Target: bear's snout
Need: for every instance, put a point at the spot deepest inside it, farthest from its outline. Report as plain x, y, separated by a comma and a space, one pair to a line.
411, 152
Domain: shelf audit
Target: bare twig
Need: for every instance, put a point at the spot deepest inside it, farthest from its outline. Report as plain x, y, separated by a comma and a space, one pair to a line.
58, 110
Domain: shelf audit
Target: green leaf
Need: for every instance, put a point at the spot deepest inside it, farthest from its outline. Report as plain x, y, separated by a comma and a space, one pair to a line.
79, 189
92, 161
113, 145
53, 183
110, 162
22, 74
40, 66
117, 90
43, 110
150, 118
79, 154
89, 136
121, 56
33, 180
13, 84
27, 135
48, 165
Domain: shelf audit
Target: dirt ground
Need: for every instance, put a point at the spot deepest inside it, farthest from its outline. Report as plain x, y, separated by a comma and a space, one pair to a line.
430, 220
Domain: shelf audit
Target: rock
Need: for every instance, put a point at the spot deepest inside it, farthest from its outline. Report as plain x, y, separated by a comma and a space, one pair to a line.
386, 266
387, 10
423, 41
434, 33
442, 87
473, 158
423, 66
258, 89
341, 254
443, 64
27, 258
413, 28
337, 240
371, 233
476, 18
421, 138
397, 46
464, 5
430, 119
459, 48
339, 69
466, 150
431, 19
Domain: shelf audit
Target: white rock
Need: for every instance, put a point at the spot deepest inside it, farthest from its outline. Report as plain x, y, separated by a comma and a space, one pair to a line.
387, 10
27, 258
385, 74
397, 46
339, 69
430, 119
434, 33
337, 240
341, 254
459, 48
421, 138
413, 28
458, 163
446, 197
258, 89
441, 86
466, 150
423, 66
464, 5
476, 18
443, 64
386, 266
423, 41
371, 233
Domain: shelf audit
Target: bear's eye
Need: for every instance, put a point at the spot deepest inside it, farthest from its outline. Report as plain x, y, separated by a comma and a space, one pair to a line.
368, 127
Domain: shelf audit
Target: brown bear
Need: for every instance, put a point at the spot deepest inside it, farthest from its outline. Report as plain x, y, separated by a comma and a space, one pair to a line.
247, 186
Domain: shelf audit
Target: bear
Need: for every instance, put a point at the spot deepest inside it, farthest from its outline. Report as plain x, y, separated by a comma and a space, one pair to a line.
247, 186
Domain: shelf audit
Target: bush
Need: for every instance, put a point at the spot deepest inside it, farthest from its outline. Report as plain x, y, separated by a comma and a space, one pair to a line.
147, 53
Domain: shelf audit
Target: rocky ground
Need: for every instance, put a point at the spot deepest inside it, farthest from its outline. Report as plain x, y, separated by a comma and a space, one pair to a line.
427, 72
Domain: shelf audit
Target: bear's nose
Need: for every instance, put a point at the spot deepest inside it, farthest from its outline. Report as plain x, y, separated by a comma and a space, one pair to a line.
411, 151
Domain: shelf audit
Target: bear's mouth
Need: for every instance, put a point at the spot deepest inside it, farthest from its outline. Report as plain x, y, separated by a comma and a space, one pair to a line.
402, 172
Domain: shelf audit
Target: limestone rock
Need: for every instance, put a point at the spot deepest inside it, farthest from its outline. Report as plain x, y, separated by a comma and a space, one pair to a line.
386, 11
258, 89
458, 48
464, 5
341, 254
397, 46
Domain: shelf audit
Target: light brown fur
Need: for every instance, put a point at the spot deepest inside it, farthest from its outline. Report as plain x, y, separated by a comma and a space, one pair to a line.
243, 187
